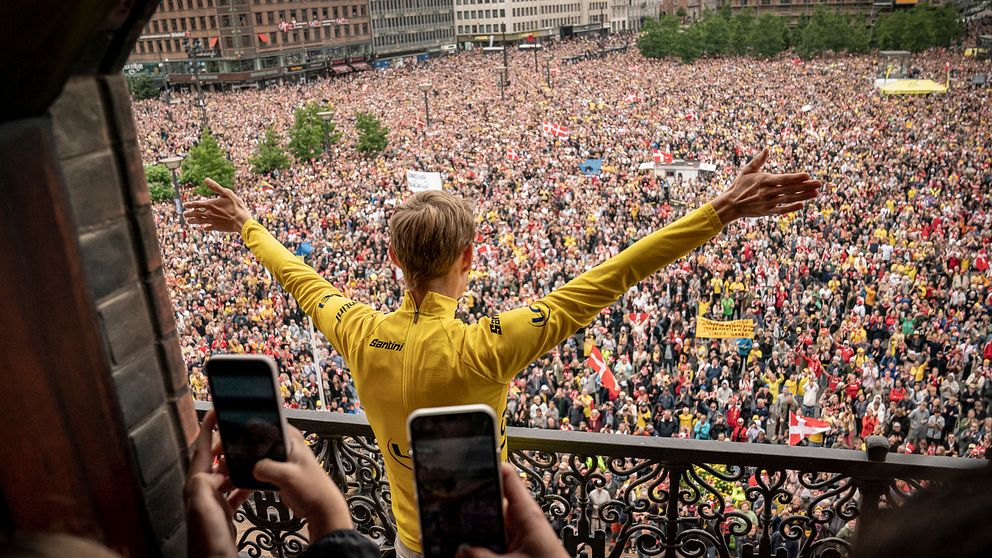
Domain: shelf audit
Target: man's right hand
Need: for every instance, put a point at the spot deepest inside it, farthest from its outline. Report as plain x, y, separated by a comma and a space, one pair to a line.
225, 213
760, 194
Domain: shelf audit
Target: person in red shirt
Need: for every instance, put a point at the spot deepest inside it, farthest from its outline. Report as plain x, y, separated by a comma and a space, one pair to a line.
852, 388
897, 393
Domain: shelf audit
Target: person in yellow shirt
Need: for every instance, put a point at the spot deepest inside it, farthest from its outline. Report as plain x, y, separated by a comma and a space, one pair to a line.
420, 355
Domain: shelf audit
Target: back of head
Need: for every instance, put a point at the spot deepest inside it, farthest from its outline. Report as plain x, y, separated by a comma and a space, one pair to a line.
428, 232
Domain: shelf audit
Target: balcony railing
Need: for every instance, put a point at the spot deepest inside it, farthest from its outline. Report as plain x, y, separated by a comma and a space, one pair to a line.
664, 497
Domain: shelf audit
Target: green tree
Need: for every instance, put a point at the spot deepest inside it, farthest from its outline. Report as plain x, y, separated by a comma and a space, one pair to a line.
207, 160
689, 45
768, 36
306, 137
372, 135
141, 87
270, 155
159, 181
659, 37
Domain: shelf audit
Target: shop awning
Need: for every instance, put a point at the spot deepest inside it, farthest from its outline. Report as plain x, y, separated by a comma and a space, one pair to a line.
360, 66
340, 69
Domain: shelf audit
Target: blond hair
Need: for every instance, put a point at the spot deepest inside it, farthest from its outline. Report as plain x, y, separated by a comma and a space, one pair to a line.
428, 233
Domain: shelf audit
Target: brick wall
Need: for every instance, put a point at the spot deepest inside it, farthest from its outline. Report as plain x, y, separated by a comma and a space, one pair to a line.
104, 176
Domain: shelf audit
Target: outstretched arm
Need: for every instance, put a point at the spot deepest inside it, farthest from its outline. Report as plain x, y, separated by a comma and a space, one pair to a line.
503, 345
334, 314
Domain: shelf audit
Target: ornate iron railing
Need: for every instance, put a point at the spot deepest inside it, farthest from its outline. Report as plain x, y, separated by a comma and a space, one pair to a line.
615, 495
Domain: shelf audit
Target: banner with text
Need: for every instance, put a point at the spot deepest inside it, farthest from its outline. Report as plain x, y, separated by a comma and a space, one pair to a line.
419, 181
735, 329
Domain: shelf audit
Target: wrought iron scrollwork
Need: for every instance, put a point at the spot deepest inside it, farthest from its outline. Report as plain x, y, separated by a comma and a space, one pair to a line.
608, 507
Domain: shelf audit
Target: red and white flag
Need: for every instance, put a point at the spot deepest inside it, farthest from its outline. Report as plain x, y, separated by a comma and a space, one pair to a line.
638, 318
487, 250
420, 123
691, 115
554, 71
512, 155
802, 427
631, 99
556, 130
606, 377
660, 156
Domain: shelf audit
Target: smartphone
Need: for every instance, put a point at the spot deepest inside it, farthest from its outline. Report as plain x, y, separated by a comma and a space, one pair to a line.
245, 395
456, 472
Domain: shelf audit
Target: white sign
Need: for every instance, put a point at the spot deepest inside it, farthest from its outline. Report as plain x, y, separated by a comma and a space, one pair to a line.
646, 166
419, 181
807, 108
708, 167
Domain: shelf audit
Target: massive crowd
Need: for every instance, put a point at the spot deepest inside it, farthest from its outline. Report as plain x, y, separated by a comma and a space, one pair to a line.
872, 306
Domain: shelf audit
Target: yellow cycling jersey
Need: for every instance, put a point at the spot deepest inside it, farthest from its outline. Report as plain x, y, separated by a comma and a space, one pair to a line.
424, 357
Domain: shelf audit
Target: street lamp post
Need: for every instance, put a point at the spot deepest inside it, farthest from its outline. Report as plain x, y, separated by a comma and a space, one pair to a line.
547, 68
326, 115
502, 82
506, 62
172, 163
193, 51
426, 88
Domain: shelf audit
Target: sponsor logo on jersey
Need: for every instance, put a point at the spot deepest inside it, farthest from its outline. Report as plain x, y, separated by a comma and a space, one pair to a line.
540, 314
388, 345
494, 326
344, 308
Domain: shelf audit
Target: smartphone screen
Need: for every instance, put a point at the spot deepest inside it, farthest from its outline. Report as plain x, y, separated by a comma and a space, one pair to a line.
456, 467
249, 414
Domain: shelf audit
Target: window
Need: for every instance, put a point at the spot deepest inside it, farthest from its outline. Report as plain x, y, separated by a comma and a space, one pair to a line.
228, 42
258, 18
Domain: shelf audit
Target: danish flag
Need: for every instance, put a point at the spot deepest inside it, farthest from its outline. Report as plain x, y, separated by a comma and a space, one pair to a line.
691, 115
638, 319
660, 156
512, 155
555, 130
631, 99
802, 427
487, 250
606, 377
420, 123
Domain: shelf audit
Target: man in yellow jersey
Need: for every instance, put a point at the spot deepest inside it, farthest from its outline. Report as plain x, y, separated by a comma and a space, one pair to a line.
420, 355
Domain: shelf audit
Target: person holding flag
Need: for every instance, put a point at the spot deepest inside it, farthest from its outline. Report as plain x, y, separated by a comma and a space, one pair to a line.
801, 427
434, 359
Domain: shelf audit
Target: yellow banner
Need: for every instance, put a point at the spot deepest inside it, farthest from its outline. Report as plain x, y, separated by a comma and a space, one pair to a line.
724, 330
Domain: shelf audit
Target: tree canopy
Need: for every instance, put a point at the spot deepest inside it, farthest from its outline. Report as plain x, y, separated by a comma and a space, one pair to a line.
372, 135
306, 137
207, 159
269, 156
725, 34
159, 183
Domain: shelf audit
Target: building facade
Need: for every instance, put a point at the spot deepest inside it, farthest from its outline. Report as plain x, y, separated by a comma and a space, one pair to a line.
629, 15
482, 21
235, 41
412, 26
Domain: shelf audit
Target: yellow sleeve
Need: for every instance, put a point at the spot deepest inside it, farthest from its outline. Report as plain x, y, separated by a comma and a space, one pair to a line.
340, 319
501, 346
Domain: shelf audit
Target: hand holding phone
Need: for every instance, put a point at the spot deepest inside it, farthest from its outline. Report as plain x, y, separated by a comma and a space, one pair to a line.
527, 530
456, 472
249, 414
306, 488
